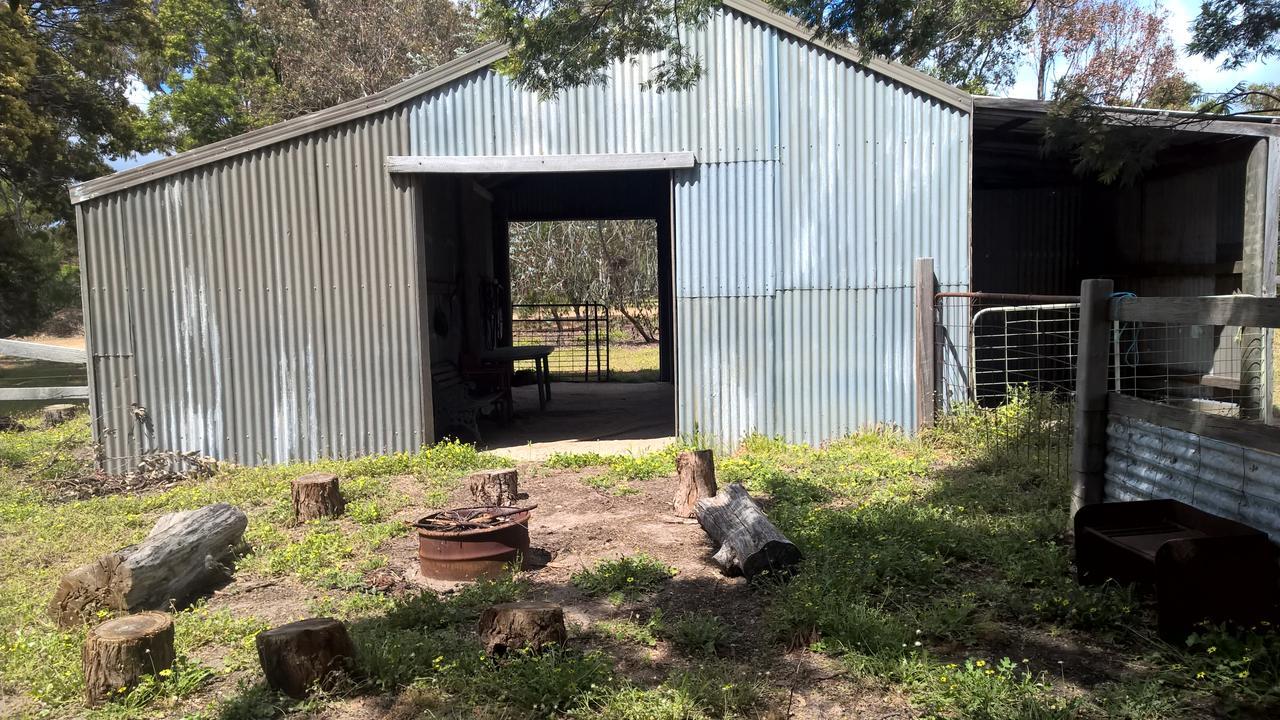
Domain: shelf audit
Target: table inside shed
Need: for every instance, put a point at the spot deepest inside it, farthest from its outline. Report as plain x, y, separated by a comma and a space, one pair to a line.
539, 354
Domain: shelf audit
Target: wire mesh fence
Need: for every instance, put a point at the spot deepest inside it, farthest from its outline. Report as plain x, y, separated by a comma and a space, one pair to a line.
1214, 369
1006, 374
579, 332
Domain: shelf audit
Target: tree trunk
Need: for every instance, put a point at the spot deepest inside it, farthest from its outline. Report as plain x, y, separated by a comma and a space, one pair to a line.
696, 479
316, 496
495, 487
183, 557
120, 652
57, 414
749, 543
639, 326
518, 625
304, 654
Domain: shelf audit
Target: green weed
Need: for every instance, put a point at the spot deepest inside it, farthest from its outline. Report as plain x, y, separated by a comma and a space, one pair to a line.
697, 633
632, 575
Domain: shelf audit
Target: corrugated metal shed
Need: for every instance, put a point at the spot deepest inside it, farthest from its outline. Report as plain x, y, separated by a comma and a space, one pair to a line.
818, 182
262, 297
1146, 462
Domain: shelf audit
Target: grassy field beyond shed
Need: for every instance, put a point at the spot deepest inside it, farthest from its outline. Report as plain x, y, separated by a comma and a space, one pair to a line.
937, 583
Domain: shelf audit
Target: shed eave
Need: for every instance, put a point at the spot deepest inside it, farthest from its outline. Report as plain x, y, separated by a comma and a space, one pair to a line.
500, 164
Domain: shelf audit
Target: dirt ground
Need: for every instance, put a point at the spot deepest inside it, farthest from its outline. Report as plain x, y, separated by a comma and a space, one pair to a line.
573, 527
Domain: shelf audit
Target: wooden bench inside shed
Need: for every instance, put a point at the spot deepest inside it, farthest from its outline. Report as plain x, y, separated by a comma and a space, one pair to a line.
1203, 566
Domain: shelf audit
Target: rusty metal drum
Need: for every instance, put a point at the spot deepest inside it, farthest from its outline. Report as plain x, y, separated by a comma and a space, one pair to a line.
465, 553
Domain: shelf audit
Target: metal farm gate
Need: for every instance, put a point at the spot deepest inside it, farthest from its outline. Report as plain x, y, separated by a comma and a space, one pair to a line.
1005, 371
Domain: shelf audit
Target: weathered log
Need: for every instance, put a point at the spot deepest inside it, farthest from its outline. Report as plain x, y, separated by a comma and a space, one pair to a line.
495, 487
120, 652
316, 496
749, 543
305, 654
54, 415
185, 555
519, 625
695, 479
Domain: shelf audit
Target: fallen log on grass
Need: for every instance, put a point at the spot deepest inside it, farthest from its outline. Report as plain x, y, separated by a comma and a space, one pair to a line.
184, 556
749, 543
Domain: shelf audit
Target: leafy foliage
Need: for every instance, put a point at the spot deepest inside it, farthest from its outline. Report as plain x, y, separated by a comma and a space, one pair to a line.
1239, 31
1117, 51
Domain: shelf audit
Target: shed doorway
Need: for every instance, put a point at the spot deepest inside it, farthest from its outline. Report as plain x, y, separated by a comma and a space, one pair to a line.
496, 250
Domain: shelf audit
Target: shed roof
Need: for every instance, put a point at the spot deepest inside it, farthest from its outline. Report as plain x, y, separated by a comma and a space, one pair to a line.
476, 60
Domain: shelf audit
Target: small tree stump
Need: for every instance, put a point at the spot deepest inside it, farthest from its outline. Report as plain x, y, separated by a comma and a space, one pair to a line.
696, 479
10, 423
495, 487
316, 496
518, 625
185, 555
749, 543
120, 652
305, 654
57, 414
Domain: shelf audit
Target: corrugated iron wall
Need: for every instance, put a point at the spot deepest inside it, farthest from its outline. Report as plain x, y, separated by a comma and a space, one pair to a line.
1147, 461
260, 309
817, 184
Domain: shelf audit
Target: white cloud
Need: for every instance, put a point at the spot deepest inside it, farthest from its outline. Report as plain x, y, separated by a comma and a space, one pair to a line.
138, 94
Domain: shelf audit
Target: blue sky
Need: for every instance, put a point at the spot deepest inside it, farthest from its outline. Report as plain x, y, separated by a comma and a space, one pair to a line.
1205, 73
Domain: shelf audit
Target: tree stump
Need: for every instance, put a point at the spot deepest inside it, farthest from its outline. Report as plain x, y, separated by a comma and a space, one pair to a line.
518, 625
495, 487
749, 543
305, 654
185, 555
696, 479
316, 496
120, 652
57, 414
9, 423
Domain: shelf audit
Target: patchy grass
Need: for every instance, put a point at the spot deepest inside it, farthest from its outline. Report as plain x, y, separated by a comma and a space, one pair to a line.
631, 576
620, 470
633, 362
934, 571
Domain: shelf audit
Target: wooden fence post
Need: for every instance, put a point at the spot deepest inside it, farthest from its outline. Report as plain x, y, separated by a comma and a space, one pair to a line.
926, 372
1089, 448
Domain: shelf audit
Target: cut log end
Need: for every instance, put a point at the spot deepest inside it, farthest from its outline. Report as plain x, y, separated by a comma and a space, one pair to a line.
495, 487
316, 496
695, 480
55, 415
520, 625
119, 653
304, 655
749, 545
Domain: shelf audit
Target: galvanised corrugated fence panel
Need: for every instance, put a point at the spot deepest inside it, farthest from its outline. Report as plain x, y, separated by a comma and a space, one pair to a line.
260, 309
1146, 462
728, 115
818, 182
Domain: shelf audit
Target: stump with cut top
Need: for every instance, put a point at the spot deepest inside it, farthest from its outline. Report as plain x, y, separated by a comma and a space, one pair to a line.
304, 655
696, 479
520, 625
117, 654
316, 496
498, 488
186, 554
54, 415
749, 543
